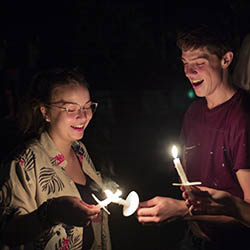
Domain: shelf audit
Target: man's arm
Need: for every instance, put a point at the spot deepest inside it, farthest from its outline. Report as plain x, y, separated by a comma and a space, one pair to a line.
243, 176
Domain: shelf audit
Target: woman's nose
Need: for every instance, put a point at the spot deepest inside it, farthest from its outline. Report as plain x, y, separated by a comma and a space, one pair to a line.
84, 113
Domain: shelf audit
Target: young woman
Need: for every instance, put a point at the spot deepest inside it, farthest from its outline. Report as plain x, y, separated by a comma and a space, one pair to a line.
45, 199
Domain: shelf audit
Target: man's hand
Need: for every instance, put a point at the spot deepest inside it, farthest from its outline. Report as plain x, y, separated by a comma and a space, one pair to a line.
208, 201
160, 209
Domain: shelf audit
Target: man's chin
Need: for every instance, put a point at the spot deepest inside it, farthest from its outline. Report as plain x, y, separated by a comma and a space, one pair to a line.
198, 93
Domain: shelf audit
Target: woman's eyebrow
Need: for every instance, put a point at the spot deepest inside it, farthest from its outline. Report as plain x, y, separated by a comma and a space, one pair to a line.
63, 102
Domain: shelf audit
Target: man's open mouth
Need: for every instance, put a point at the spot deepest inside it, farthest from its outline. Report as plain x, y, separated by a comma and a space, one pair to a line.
196, 83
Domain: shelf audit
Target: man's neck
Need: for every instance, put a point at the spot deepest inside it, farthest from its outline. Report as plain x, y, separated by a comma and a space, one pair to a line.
220, 96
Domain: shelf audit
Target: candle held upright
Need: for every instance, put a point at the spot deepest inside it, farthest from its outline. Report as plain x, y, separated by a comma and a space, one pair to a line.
180, 170
178, 165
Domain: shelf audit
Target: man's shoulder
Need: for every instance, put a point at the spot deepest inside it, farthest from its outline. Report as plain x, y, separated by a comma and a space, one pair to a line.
243, 102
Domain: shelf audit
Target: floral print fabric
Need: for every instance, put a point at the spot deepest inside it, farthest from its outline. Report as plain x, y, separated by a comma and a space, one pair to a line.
39, 174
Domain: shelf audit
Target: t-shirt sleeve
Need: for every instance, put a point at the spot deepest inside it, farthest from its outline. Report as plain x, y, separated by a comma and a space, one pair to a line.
241, 152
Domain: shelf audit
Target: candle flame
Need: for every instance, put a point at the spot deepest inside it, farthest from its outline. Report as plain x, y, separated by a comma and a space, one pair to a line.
113, 196
174, 151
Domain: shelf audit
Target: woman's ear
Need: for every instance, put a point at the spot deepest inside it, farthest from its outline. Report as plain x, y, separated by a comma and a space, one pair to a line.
227, 59
44, 113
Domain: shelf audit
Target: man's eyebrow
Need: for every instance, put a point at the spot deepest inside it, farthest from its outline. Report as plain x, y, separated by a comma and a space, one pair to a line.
202, 56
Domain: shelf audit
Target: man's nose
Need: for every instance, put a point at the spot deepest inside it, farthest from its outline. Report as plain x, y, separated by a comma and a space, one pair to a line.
189, 70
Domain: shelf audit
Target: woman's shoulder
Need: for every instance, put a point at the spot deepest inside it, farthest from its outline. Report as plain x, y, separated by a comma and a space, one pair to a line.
25, 152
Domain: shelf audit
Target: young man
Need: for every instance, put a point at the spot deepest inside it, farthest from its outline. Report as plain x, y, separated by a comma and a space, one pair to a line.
216, 139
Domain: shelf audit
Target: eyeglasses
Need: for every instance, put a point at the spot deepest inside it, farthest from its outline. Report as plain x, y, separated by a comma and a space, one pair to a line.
74, 109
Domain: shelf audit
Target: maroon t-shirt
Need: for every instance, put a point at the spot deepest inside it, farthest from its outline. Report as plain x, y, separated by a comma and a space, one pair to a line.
217, 142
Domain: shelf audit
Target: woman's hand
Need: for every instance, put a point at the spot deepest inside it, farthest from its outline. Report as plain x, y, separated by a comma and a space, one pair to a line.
72, 211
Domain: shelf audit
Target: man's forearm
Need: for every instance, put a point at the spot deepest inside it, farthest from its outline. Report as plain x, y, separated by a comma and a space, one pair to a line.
242, 210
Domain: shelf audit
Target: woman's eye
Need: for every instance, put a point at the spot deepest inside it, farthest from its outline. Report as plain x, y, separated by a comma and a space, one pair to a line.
71, 109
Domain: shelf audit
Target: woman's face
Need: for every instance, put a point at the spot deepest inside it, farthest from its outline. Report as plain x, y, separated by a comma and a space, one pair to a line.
66, 116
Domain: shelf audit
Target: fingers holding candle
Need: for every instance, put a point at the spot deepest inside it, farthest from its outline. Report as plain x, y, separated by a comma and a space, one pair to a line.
111, 197
207, 201
100, 204
80, 212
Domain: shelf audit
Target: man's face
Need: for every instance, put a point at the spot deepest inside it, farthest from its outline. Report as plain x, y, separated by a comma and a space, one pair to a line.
204, 71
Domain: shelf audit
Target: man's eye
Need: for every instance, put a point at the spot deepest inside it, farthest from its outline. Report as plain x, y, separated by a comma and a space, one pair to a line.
200, 64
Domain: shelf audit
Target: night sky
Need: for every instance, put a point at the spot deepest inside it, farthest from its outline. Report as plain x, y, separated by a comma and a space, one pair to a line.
127, 51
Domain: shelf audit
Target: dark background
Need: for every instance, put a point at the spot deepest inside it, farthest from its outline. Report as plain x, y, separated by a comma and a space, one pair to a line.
127, 52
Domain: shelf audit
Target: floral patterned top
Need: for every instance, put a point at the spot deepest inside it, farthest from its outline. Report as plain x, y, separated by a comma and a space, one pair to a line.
37, 175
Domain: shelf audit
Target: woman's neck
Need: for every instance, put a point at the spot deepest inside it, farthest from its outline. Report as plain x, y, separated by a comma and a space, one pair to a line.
62, 146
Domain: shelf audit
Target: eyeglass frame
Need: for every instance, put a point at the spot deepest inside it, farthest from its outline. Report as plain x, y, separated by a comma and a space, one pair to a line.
81, 108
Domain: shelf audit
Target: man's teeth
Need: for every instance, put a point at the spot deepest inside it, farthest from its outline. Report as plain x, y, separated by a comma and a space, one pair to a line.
196, 81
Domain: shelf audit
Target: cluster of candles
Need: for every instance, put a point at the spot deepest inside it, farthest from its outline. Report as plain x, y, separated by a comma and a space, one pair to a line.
131, 203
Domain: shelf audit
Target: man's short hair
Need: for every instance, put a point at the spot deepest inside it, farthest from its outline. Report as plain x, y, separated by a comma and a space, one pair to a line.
217, 41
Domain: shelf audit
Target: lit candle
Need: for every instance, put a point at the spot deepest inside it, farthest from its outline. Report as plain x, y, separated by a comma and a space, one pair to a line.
102, 203
129, 205
180, 170
114, 197
111, 197
178, 166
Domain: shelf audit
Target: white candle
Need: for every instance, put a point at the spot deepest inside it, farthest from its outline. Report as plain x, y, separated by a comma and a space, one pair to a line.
102, 203
178, 166
114, 197
129, 205
111, 197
